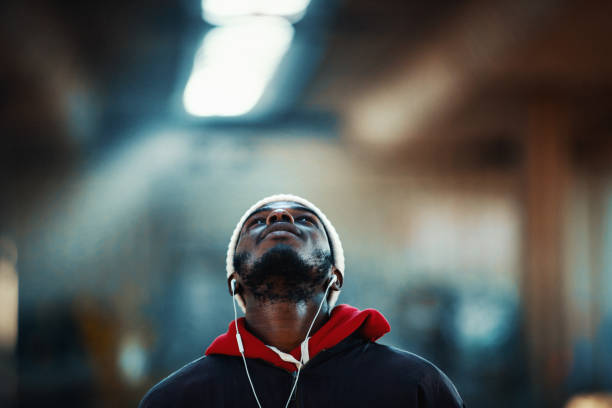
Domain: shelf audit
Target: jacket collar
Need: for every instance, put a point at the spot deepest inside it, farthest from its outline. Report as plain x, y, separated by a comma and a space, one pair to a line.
368, 324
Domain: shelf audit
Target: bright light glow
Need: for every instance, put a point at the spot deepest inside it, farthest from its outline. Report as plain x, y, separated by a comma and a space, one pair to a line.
406, 105
223, 11
9, 294
590, 401
482, 323
234, 65
132, 360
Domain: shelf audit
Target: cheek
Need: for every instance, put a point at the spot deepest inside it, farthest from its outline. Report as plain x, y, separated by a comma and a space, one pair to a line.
317, 241
242, 248
245, 240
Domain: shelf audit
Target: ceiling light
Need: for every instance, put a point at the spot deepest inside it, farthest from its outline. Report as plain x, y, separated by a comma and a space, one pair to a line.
234, 65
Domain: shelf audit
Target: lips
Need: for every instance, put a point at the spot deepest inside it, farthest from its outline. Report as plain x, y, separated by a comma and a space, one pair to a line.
279, 226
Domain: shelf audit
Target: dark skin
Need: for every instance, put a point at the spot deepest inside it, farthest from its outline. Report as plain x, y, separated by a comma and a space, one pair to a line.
284, 324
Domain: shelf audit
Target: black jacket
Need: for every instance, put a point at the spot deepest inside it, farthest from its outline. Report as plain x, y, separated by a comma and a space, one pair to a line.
354, 373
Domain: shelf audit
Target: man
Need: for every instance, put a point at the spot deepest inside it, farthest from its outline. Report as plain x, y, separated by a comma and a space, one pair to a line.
285, 268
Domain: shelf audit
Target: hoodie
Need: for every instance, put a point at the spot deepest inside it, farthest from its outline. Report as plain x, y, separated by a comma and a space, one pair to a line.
347, 368
369, 324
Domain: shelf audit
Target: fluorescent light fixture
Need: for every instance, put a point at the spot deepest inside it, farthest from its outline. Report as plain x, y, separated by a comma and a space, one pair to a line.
234, 65
223, 11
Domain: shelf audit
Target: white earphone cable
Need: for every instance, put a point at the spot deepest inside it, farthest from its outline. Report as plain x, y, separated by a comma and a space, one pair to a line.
297, 376
241, 347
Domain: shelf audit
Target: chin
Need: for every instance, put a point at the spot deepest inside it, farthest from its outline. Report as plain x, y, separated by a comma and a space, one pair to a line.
279, 254
282, 274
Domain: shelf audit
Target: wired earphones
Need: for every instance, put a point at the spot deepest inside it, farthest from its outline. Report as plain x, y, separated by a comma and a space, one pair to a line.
304, 342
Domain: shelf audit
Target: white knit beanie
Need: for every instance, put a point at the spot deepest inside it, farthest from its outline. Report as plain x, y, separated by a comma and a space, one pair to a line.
332, 235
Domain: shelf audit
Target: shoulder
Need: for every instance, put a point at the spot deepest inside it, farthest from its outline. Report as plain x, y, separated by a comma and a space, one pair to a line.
433, 385
396, 358
190, 382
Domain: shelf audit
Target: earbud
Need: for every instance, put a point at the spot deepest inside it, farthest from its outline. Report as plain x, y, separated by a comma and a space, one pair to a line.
233, 285
333, 279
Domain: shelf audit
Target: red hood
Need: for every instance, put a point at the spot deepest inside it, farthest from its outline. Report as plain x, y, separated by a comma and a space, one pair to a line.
345, 320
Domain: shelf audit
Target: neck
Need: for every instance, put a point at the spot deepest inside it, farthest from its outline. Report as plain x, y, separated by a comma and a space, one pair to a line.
284, 325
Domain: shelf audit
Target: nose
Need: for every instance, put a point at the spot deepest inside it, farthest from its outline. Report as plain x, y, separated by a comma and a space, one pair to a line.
279, 215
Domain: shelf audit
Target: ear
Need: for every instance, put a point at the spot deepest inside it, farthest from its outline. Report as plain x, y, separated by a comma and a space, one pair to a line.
339, 279
229, 283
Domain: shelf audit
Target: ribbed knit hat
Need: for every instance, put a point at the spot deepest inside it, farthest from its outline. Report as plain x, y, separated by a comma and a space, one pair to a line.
332, 235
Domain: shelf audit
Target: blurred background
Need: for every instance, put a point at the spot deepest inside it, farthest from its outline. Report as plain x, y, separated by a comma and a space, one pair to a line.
461, 148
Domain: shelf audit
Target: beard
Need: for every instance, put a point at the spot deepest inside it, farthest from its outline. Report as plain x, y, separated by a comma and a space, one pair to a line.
281, 275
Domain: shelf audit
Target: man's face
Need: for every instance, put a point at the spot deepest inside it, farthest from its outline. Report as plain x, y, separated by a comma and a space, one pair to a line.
286, 223
283, 252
